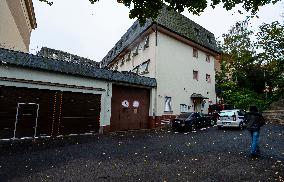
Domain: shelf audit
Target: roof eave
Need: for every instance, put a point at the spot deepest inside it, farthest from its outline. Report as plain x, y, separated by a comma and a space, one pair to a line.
31, 13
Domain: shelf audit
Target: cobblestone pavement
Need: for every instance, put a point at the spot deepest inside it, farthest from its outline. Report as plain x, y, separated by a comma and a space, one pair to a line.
153, 155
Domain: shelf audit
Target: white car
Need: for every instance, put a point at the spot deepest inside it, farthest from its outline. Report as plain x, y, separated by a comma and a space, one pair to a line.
231, 118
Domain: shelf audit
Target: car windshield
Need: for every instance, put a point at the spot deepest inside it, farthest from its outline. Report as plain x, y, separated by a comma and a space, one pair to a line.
185, 115
227, 113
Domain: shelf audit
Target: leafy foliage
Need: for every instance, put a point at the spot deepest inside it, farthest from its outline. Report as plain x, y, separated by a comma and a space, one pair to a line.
143, 9
249, 68
271, 41
242, 97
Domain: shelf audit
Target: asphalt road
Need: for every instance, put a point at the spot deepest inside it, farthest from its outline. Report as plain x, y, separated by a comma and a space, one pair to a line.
154, 155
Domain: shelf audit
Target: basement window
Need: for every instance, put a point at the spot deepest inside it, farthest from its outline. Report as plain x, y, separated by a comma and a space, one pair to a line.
194, 53
195, 75
168, 104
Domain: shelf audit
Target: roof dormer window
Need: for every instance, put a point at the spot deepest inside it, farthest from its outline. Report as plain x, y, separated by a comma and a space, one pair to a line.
196, 30
209, 38
116, 67
54, 56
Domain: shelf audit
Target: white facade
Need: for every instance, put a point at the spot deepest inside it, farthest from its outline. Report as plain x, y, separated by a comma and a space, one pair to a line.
17, 21
172, 63
175, 66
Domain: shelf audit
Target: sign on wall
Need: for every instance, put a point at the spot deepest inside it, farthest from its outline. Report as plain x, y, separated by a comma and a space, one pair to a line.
136, 104
125, 104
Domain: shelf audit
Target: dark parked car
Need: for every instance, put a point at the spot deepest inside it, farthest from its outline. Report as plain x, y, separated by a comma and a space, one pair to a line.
191, 121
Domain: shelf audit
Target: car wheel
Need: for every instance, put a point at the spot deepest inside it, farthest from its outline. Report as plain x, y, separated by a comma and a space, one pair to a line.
193, 127
241, 126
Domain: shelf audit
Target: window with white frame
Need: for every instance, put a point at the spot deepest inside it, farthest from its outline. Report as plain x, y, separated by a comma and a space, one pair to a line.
116, 66
208, 78
146, 45
195, 75
135, 53
143, 68
128, 57
168, 104
136, 70
195, 52
208, 58
184, 108
122, 62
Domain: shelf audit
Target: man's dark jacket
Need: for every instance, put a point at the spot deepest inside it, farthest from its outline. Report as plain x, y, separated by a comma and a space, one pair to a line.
254, 121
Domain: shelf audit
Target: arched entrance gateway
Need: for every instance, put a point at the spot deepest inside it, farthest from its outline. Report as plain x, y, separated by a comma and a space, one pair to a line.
197, 100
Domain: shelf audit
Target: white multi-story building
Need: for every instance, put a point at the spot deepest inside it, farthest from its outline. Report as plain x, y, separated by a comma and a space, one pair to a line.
178, 53
17, 19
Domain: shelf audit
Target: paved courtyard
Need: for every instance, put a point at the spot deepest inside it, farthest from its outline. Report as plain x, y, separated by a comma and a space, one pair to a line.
153, 155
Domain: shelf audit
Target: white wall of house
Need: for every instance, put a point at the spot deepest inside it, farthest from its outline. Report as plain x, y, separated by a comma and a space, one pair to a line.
172, 64
57, 78
175, 65
10, 36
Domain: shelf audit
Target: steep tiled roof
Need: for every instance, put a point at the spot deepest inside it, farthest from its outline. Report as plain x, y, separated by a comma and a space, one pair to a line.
132, 33
8, 57
65, 56
170, 20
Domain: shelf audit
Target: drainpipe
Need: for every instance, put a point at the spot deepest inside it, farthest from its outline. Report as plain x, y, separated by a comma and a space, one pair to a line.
156, 65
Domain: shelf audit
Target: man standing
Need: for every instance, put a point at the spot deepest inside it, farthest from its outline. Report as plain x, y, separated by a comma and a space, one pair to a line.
254, 120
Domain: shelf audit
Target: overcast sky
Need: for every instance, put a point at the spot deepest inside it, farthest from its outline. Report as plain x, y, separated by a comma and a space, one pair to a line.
91, 30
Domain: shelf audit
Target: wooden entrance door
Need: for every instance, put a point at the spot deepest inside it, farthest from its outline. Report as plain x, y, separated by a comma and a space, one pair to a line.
60, 113
130, 108
26, 120
197, 104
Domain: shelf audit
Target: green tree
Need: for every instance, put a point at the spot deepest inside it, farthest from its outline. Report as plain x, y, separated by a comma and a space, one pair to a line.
247, 65
238, 58
143, 9
270, 42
